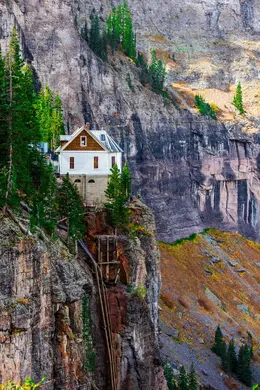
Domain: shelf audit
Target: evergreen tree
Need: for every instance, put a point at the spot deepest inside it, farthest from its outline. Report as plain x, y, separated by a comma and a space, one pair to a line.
118, 193
157, 74
238, 99
128, 37
120, 30
143, 69
21, 127
126, 182
217, 347
244, 372
70, 205
111, 31
232, 357
224, 357
44, 210
57, 125
3, 114
247, 368
168, 373
94, 35
183, 379
113, 188
204, 108
97, 40
84, 31
49, 117
192, 379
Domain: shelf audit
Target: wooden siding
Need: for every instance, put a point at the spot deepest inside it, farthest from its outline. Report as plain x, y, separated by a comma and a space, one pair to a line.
91, 143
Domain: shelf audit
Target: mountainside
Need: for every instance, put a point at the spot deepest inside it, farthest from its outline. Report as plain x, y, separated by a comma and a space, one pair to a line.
43, 296
212, 278
192, 172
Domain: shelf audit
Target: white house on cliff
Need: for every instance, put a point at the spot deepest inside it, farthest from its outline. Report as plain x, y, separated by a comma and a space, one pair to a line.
88, 155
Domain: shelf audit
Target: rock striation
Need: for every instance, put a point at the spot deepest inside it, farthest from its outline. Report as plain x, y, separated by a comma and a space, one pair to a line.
192, 172
41, 324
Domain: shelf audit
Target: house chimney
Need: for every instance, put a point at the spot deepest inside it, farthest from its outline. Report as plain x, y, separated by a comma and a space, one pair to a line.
87, 126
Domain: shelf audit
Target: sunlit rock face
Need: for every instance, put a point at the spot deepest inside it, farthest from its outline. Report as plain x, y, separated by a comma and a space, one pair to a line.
193, 172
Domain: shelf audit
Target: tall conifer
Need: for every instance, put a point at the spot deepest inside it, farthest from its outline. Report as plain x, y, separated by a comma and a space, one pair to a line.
192, 379
238, 99
71, 206
183, 379
217, 347
232, 357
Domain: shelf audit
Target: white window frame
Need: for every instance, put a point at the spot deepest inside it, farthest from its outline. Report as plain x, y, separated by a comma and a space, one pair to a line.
81, 138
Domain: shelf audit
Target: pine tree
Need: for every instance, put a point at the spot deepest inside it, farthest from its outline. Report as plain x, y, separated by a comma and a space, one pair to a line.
120, 30
168, 373
113, 187
143, 69
183, 380
224, 357
70, 205
156, 74
48, 109
94, 35
22, 131
232, 357
3, 114
44, 210
247, 367
43, 107
118, 193
217, 347
204, 108
57, 125
244, 372
84, 32
126, 182
192, 379
238, 99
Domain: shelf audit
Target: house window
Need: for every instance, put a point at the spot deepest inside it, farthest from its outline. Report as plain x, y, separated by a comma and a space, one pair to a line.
72, 163
95, 162
113, 161
83, 141
91, 181
102, 137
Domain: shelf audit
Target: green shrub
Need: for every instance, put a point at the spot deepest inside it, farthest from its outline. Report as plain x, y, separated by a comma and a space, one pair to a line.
204, 108
28, 384
140, 291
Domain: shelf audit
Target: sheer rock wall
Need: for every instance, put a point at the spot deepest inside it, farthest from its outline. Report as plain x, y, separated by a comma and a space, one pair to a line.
186, 168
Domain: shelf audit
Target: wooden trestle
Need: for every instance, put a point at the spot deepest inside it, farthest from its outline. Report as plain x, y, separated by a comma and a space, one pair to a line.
107, 258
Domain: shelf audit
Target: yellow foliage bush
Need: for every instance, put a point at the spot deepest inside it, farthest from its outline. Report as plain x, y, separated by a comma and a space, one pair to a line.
27, 385
214, 107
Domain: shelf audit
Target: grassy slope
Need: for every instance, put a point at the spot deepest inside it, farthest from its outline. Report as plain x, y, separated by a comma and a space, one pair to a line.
226, 264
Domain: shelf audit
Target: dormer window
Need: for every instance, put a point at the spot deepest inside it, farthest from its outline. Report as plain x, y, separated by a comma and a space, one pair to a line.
83, 141
102, 137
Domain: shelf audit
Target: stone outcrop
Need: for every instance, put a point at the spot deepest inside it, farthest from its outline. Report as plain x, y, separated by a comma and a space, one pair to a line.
40, 310
192, 172
41, 292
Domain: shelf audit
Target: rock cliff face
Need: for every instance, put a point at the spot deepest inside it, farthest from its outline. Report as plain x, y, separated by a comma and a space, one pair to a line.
42, 287
192, 172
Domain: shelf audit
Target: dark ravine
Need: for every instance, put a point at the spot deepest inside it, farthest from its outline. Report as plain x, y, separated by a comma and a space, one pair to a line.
41, 294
